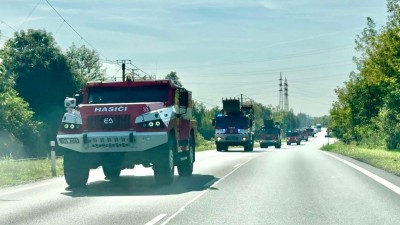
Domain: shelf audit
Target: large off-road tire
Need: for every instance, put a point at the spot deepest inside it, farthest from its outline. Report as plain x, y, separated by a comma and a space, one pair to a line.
222, 147
219, 147
164, 169
289, 143
76, 168
298, 143
278, 145
111, 172
249, 146
185, 168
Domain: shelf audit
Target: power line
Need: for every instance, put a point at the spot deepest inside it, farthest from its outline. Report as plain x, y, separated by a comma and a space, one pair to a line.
284, 57
30, 14
12, 28
76, 32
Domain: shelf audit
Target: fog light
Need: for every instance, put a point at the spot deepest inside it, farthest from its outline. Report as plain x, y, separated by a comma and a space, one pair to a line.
66, 126
151, 124
72, 126
218, 138
244, 138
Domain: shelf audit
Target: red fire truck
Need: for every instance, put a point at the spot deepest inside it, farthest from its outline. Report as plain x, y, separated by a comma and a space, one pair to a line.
118, 125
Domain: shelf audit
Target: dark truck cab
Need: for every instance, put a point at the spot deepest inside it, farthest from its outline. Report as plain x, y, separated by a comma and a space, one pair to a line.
270, 135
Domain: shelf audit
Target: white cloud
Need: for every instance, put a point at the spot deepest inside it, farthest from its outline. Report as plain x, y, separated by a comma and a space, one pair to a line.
269, 5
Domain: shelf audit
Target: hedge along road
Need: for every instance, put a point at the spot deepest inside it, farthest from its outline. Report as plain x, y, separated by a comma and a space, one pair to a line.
292, 185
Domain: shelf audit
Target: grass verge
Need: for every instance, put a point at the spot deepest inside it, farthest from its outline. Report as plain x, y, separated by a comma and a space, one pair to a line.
14, 172
377, 157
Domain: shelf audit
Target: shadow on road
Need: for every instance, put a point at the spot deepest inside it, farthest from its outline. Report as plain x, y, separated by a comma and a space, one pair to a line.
140, 186
242, 151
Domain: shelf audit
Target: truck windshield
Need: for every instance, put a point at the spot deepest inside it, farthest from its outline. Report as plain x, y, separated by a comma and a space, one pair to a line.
240, 122
104, 95
270, 131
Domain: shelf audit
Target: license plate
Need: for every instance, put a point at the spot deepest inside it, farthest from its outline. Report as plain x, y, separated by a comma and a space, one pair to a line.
69, 140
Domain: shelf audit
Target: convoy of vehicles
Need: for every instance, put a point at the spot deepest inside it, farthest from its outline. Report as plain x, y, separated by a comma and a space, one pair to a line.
118, 125
234, 126
270, 134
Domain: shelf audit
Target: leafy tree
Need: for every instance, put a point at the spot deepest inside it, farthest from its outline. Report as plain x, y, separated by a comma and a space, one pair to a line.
367, 108
85, 64
173, 76
17, 119
41, 74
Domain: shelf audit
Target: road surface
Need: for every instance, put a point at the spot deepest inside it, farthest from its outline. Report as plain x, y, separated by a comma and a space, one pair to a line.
291, 185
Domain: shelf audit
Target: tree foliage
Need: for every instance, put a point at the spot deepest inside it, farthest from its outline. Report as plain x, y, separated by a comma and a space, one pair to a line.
40, 74
16, 119
85, 64
174, 77
367, 109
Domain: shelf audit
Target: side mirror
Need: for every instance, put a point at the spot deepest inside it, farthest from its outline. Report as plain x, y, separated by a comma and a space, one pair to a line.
79, 98
213, 122
184, 99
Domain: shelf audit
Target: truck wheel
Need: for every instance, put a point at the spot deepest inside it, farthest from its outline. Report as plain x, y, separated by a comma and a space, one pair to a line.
298, 143
278, 145
164, 169
219, 147
288, 143
76, 169
185, 168
111, 172
249, 146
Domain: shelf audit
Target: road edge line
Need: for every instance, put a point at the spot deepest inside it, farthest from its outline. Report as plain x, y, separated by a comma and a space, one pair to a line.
382, 181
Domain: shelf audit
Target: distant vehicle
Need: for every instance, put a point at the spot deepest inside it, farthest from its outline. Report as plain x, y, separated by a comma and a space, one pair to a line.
293, 137
318, 127
270, 134
310, 131
303, 134
120, 124
233, 127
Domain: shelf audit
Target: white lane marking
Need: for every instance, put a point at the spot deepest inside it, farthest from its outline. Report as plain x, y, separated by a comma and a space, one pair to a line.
201, 194
236, 165
373, 176
28, 188
210, 182
156, 219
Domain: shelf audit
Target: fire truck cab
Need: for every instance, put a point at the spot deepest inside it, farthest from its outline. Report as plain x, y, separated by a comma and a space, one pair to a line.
118, 125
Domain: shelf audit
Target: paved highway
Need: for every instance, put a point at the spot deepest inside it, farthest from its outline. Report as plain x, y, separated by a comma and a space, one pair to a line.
292, 185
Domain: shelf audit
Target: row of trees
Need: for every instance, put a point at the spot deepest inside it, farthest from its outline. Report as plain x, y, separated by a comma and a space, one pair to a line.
35, 77
368, 107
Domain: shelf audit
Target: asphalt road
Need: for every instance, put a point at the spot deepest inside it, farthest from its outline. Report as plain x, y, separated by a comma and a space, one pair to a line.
291, 185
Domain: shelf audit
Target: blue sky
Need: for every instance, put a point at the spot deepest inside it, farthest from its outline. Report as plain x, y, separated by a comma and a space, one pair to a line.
219, 48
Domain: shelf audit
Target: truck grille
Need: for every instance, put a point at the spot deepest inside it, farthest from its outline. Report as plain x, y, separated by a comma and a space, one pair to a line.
108, 122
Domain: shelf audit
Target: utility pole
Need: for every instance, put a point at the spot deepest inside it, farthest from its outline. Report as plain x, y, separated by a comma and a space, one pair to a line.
286, 93
123, 62
280, 93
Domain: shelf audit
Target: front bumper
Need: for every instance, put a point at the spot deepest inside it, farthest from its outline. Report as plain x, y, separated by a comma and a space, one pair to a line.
268, 142
121, 141
232, 138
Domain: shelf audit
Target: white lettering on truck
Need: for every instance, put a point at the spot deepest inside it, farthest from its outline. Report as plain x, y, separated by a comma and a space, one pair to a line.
111, 109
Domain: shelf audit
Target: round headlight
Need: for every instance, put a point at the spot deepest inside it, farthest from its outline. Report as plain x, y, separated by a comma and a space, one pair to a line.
144, 125
72, 126
151, 124
158, 123
66, 126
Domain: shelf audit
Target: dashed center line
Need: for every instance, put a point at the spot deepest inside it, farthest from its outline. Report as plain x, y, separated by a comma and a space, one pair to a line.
156, 219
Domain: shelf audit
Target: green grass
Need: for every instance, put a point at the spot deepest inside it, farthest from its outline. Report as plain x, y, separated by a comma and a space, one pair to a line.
18, 172
377, 157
